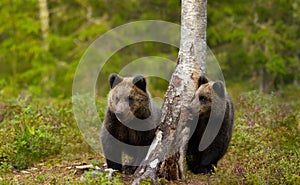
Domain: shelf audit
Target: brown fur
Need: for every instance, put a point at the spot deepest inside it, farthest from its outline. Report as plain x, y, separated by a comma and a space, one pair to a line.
204, 161
131, 118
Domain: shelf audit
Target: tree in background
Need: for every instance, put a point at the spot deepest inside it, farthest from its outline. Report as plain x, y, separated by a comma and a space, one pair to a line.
255, 41
44, 17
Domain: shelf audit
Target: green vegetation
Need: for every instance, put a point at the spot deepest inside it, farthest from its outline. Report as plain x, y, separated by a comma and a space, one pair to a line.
256, 43
264, 148
34, 131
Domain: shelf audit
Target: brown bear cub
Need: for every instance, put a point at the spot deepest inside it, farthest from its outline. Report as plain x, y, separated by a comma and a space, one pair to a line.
130, 122
207, 93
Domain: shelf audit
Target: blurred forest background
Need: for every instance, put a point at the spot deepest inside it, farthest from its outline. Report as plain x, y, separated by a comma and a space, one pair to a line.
41, 42
256, 42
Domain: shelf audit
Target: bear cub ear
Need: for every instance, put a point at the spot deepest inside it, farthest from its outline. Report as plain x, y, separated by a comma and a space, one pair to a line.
140, 82
219, 89
114, 80
202, 80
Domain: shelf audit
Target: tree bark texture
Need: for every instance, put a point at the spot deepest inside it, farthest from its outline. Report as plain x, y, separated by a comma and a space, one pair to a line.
166, 154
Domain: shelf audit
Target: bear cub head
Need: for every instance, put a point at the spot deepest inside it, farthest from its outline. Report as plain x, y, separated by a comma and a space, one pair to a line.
207, 92
128, 98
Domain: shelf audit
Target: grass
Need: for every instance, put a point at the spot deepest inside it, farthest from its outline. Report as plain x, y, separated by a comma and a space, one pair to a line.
40, 143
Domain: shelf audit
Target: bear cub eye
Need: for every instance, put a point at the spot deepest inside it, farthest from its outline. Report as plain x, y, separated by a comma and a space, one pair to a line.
117, 99
130, 100
202, 99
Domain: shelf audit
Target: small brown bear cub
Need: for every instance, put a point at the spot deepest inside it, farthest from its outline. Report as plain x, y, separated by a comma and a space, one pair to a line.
130, 122
209, 91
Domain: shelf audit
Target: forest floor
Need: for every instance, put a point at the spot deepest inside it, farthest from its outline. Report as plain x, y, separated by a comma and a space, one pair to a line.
40, 143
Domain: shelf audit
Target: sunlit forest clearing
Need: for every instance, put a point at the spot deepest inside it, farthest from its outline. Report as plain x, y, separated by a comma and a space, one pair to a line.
41, 43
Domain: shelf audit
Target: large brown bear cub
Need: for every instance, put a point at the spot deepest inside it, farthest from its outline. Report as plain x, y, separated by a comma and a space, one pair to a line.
130, 122
203, 161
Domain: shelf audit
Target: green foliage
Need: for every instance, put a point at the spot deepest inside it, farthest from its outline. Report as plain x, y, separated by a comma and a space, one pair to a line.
265, 145
266, 110
95, 177
263, 150
253, 37
246, 36
265, 141
26, 63
30, 134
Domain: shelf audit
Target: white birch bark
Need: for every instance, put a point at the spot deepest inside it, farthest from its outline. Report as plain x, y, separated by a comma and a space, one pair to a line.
167, 152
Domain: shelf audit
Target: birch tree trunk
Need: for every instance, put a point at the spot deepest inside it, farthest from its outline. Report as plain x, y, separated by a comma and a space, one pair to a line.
44, 17
166, 154
262, 80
